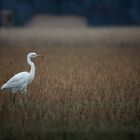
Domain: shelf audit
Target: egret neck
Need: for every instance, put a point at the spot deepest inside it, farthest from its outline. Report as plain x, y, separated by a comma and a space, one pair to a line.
32, 70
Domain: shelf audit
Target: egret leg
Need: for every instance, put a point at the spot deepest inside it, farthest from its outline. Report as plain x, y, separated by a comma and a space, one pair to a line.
28, 95
14, 98
10, 97
25, 95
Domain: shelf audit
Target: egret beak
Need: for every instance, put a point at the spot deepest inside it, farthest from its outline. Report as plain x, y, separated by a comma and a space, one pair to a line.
40, 55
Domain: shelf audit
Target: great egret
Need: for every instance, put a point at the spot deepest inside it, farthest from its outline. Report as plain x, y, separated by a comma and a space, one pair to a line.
20, 81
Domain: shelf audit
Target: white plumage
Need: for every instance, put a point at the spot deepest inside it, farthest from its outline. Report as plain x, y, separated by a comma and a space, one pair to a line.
20, 81
17, 83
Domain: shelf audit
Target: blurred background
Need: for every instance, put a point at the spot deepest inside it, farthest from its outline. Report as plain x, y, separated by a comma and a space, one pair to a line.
94, 12
88, 85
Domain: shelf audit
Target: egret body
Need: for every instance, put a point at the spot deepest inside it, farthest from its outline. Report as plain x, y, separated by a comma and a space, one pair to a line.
20, 81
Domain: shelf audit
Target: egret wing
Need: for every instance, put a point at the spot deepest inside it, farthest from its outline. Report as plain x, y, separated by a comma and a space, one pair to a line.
17, 80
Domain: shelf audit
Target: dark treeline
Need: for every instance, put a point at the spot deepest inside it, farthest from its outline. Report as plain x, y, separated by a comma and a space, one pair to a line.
97, 12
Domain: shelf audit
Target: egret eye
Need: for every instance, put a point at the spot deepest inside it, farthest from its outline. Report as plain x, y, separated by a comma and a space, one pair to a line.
34, 55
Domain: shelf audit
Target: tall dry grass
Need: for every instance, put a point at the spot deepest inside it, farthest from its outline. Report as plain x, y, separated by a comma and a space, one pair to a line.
78, 93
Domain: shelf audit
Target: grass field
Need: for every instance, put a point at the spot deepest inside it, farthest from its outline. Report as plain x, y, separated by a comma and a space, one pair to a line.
89, 90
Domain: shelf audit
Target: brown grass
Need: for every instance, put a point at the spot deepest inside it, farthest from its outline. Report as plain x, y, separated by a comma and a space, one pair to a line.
78, 93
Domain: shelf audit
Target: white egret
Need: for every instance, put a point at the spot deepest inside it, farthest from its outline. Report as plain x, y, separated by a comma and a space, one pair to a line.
20, 81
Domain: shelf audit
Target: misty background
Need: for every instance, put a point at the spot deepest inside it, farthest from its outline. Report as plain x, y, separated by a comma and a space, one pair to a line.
96, 12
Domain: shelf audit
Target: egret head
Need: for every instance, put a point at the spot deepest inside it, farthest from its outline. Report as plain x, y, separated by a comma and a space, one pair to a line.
32, 55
